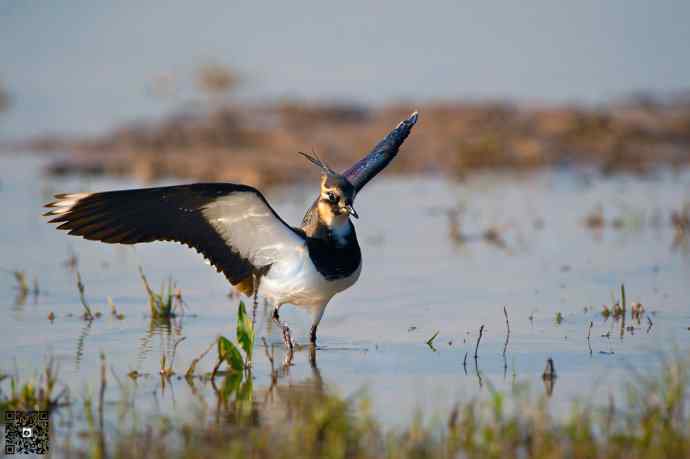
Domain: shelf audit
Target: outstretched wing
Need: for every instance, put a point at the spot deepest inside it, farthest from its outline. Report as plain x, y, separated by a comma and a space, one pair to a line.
383, 153
233, 226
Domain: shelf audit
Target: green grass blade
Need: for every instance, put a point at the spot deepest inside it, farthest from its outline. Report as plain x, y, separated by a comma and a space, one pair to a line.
245, 331
228, 352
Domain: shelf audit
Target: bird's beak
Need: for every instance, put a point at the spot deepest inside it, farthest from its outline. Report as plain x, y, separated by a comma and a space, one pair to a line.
351, 210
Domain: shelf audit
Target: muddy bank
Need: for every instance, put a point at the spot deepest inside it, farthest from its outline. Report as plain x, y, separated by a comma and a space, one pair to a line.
257, 144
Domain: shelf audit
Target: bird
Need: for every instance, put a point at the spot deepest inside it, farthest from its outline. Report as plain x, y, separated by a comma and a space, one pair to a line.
238, 232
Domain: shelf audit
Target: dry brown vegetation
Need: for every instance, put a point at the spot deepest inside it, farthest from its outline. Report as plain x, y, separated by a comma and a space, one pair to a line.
257, 144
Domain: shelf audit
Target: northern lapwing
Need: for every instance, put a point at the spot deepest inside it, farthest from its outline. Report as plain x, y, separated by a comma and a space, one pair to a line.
239, 233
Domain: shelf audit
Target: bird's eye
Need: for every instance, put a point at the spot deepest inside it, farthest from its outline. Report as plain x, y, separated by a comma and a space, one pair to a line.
332, 197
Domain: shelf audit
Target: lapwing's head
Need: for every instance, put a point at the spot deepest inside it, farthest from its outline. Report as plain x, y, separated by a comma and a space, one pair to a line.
337, 194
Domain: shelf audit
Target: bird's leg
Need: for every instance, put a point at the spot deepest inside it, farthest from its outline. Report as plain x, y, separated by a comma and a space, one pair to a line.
318, 314
287, 338
312, 356
256, 299
312, 335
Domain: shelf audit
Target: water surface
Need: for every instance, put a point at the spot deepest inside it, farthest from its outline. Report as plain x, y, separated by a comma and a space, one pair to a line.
422, 274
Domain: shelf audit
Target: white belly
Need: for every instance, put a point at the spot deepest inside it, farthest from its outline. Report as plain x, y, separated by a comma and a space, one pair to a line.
295, 280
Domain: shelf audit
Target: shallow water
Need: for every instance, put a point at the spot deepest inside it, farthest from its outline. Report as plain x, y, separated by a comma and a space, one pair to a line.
417, 279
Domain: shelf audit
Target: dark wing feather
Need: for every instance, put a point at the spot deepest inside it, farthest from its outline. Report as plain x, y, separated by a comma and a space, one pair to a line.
383, 153
233, 226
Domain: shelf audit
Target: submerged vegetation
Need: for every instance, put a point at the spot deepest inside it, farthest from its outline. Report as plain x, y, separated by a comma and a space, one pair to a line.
33, 394
22, 286
88, 314
646, 417
649, 419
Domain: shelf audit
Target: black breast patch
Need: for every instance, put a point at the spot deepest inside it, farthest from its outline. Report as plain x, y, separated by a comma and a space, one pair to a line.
335, 259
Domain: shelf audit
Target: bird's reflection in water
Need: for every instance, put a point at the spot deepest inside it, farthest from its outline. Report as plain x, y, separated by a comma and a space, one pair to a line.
287, 400
238, 402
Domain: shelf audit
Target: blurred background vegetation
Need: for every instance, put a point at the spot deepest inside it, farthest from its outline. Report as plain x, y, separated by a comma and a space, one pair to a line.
225, 92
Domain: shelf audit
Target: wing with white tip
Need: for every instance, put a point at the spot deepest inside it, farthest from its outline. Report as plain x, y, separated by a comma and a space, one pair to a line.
233, 226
